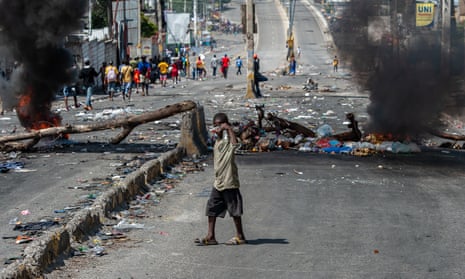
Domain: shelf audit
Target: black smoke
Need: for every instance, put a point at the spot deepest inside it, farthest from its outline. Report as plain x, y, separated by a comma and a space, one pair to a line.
32, 34
398, 63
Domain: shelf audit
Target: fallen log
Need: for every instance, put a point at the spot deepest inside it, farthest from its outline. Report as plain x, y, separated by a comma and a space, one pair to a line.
279, 124
127, 123
282, 124
447, 135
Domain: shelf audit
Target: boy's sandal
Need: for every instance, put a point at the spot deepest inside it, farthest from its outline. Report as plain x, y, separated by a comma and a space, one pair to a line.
205, 242
235, 241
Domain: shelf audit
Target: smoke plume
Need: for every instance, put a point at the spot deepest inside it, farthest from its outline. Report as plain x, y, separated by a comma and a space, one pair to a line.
397, 62
32, 34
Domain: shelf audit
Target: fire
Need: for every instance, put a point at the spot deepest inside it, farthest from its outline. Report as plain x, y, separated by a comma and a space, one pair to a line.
36, 116
376, 138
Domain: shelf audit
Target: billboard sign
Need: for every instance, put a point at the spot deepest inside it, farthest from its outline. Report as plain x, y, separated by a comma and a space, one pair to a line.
425, 14
177, 28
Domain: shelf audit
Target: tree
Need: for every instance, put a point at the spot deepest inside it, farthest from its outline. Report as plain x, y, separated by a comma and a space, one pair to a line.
148, 28
99, 14
100, 18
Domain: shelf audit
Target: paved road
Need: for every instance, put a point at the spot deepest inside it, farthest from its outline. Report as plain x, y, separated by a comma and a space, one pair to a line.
307, 216
270, 46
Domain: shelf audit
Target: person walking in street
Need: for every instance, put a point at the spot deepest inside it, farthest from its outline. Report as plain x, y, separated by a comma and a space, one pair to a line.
194, 66
200, 68
335, 63
163, 67
70, 91
88, 75
111, 78
225, 65
126, 79
257, 76
238, 66
225, 195
214, 64
180, 69
144, 72
136, 79
174, 74
102, 76
292, 66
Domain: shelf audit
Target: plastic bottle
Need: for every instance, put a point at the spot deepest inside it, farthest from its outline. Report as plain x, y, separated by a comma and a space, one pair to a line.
98, 250
123, 224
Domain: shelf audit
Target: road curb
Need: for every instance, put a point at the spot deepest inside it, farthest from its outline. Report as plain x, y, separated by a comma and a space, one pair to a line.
53, 245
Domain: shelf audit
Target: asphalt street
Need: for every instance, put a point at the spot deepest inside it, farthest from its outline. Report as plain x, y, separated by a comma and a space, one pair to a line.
307, 215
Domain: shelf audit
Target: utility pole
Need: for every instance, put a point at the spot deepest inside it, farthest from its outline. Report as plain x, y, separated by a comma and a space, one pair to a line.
445, 39
161, 37
290, 34
89, 26
195, 25
250, 49
110, 18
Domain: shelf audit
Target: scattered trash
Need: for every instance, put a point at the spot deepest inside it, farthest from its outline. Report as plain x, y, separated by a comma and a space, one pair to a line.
124, 224
98, 250
20, 239
325, 131
6, 166
12, 260
35, 226
25, 212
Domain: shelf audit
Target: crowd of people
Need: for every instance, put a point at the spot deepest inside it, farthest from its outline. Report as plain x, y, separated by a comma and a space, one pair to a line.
129, 76
137, 75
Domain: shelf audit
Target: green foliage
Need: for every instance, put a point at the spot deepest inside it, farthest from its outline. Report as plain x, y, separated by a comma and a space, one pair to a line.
148, 28
99, 14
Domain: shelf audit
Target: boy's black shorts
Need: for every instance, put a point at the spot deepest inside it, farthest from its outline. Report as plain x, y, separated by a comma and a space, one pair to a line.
221, 201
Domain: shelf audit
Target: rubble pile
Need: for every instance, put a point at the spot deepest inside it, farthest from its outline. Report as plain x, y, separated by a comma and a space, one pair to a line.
280, 134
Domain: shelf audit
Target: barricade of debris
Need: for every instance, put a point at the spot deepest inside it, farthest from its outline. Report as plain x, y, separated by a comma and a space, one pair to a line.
271, 132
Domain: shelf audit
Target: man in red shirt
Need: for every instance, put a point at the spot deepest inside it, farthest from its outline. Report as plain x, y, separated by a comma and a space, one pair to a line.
224, 65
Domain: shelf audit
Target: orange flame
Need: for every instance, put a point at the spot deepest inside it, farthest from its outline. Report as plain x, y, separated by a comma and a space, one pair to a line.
36, 118
376, 138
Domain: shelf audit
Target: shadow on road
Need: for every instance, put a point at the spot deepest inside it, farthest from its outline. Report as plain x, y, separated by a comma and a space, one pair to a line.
260, 241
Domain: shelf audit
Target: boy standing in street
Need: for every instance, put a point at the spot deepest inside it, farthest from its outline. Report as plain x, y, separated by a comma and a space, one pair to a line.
225, 195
